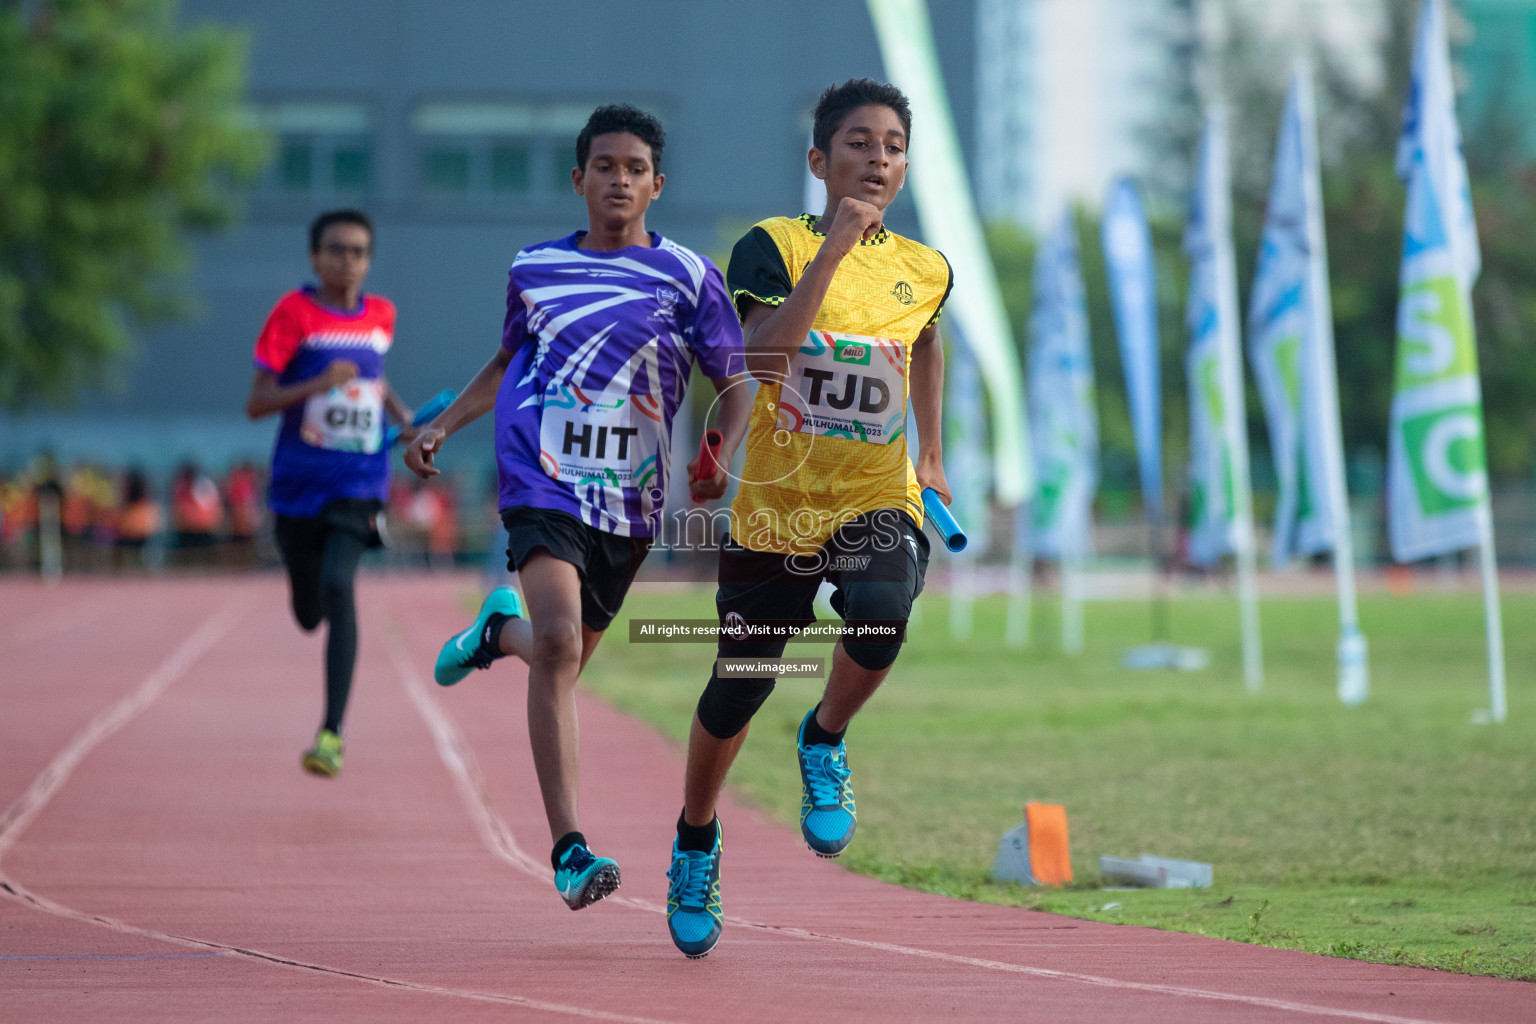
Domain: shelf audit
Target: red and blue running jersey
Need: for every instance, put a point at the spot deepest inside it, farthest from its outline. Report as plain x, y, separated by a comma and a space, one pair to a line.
602, 344
331, 445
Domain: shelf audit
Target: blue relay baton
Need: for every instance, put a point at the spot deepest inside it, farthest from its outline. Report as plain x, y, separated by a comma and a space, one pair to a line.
426, 414
933, 505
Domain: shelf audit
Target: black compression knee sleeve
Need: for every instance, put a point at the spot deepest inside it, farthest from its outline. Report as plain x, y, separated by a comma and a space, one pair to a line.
726, 706
880, 608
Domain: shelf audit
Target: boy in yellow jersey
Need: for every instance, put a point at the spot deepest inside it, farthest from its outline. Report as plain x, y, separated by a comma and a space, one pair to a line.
839, 318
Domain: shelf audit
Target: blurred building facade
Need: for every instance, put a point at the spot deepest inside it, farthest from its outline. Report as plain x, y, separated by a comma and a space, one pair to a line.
454, 127
1070, 95
456, 133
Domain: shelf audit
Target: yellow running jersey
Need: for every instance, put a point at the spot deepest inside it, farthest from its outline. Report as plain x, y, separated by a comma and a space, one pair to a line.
830, 443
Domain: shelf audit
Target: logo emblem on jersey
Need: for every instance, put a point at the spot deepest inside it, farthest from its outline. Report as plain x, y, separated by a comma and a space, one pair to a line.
666, 304
856, 352
903, 293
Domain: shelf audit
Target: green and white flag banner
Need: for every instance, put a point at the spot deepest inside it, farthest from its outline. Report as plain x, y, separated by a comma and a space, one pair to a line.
947, 213
1437, 478
1218, 458
965, 448
1281, 347
1064, 423
1221, 503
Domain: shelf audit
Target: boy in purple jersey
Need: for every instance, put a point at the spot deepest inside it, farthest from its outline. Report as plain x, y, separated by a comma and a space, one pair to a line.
602, 330
320, 362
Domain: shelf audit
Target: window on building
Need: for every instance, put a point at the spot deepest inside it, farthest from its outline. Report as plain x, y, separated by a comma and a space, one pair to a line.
322, 149
496, 151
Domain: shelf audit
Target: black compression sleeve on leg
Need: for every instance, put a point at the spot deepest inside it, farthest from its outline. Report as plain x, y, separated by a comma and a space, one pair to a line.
726, 706
343, 551
884, 605
301, 542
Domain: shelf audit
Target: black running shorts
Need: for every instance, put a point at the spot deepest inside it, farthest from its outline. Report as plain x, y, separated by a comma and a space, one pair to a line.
606, 562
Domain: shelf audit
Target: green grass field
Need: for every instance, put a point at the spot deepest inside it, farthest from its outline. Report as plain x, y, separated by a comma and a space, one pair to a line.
1397, 832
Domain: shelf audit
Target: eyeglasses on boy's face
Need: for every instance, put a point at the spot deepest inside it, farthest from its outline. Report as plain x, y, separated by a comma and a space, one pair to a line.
339, 251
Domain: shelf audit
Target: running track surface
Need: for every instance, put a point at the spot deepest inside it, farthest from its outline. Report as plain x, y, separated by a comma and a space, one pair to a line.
163, 858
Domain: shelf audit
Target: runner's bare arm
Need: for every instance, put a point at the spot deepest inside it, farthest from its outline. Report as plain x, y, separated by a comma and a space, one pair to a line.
928, 410
400, 413
268, 396
477, 399
775, 333
735, 410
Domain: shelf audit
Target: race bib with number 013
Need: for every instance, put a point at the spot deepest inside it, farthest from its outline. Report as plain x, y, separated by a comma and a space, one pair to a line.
346, 419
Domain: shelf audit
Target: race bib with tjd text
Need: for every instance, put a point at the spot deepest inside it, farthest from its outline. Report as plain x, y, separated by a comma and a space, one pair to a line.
846, 386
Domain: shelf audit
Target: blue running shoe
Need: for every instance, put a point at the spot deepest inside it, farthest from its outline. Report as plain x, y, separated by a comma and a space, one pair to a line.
827, 815
582, 879
694, 915
466, 650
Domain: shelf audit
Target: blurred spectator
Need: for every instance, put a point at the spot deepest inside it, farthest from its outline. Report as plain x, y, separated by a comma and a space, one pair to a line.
15, 521
443, 532
242, 495
197, 514
47, 502
430, 515
139, 519
87, 493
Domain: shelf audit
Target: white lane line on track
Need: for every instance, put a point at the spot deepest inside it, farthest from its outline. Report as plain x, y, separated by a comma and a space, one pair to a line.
459, 758
42, 903
21, 813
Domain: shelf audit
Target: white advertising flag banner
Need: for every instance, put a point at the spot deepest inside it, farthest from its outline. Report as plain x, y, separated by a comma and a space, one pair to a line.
1281, 347
1437, 479
1064, 423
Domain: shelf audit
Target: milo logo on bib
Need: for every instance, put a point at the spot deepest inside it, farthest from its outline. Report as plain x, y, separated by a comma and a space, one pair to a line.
846, 386
850, 350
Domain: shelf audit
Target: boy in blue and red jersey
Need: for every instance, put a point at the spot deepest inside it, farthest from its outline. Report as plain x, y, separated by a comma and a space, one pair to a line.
603, 328
320, 362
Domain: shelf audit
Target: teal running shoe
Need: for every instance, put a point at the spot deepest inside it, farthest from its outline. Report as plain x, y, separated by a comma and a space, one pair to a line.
694, 915
827, 815
467, 650
582, 879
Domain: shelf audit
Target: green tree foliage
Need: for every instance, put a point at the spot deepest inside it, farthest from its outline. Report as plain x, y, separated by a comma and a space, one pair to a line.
118, 132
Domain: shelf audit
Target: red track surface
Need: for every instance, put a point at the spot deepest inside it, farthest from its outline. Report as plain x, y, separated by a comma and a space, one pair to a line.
163, 858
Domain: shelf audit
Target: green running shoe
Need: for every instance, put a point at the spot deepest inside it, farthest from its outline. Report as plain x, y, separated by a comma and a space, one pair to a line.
467, 650
694, 914
582, 878
324, 758
827, 814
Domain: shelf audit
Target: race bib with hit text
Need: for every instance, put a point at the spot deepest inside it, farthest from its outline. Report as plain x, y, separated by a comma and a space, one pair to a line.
607, 440
846, 386
346, 419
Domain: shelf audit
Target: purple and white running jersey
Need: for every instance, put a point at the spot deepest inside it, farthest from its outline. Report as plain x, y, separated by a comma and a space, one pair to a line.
602, 347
